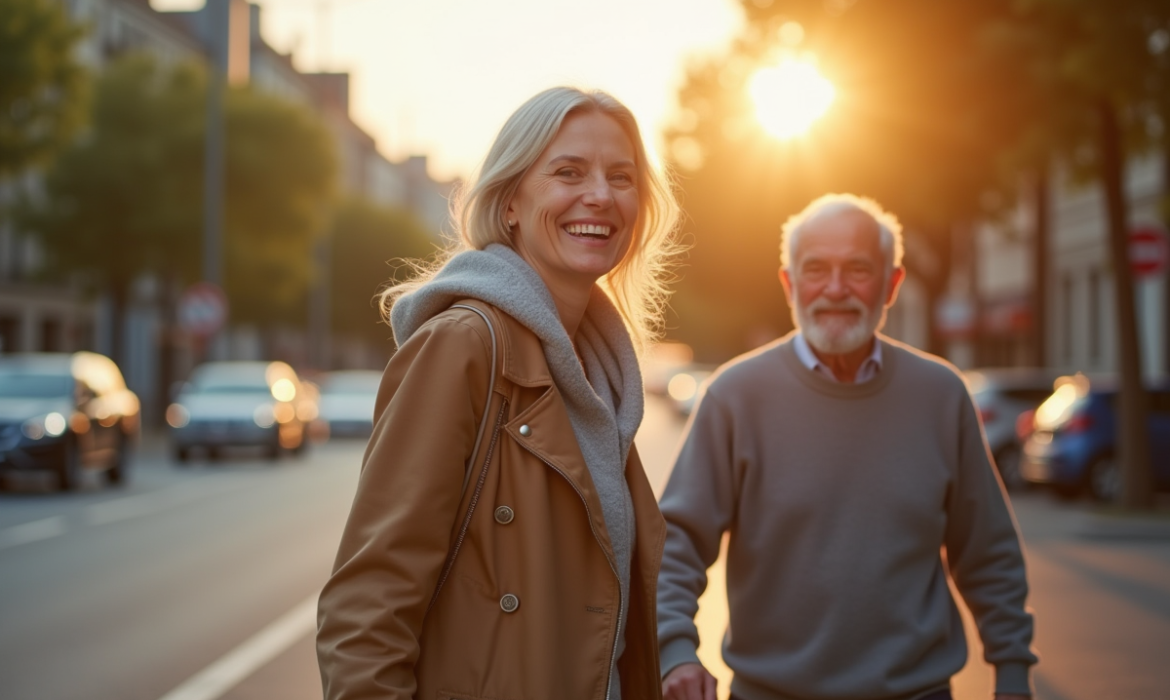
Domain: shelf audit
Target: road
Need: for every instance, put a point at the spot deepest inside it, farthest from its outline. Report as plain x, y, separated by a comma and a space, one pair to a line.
198, 583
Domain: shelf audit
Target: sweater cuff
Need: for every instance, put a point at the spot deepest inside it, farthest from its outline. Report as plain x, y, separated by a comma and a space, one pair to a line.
1013, 678
681, 650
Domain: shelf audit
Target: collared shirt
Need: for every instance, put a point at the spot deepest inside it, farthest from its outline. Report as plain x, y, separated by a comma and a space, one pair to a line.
868, 370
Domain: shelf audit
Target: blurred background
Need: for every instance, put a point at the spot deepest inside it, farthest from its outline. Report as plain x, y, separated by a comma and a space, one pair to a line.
200, 200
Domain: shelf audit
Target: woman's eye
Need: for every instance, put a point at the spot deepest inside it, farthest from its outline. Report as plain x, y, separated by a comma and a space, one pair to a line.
622, 178
568, 172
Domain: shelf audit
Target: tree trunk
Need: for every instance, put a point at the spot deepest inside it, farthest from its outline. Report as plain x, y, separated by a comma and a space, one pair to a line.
1041, 236
1133, 447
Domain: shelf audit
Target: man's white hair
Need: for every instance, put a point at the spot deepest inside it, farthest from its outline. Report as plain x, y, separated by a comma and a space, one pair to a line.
838, 203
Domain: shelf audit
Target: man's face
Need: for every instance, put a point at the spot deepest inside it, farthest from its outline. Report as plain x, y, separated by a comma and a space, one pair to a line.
837, 285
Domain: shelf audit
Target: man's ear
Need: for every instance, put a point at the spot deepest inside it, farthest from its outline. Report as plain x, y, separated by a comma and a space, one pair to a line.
786, 282
897, 277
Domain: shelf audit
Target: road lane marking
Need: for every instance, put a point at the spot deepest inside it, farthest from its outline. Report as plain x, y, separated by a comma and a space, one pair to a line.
115, 511
32, 532
154, 502
227, 672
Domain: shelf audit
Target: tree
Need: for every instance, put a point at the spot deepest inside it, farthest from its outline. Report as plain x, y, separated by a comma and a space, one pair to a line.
1101, 71
41, 94
126, 199
910, 127
369, 244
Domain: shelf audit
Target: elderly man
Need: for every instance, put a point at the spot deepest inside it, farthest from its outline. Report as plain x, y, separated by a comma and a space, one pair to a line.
852, 476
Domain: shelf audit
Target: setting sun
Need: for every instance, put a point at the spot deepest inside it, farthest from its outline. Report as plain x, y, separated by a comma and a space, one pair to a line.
790, 96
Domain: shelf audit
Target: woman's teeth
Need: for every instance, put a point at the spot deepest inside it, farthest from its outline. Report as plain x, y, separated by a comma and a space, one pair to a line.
589, 230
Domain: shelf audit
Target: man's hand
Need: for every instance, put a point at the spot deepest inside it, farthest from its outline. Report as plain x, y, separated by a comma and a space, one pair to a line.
690, 682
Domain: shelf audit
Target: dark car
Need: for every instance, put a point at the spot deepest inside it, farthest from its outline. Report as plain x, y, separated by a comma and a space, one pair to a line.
66, 413
1002, 396
1072, 446
236, 404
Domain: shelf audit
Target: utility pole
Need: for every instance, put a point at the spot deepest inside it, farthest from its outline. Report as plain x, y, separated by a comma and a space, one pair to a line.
228, 37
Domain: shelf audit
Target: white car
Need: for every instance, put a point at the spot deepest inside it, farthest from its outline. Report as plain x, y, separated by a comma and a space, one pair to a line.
230, 404
347, 401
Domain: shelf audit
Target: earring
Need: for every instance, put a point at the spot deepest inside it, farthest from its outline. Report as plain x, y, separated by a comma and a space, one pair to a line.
511, 223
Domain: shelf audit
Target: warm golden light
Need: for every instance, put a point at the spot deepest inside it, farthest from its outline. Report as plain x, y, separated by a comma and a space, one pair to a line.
790, 96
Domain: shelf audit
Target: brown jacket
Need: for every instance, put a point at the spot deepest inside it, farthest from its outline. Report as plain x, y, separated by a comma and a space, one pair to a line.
536, 533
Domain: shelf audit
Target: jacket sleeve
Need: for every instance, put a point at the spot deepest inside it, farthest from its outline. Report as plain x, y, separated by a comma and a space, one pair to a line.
395, 542
986, 559
698, 505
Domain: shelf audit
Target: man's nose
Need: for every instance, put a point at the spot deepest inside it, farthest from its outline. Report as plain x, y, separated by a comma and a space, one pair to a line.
836, 287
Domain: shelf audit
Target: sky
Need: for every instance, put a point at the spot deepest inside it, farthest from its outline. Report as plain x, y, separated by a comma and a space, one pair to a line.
439, 77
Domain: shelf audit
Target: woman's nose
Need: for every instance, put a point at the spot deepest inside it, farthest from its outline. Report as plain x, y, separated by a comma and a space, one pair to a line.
598, 192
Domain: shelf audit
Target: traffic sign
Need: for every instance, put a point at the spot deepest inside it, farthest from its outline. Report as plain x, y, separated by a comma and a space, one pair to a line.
1148, 250
203, 309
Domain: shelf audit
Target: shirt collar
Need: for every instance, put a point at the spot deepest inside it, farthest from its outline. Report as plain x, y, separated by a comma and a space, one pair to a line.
868, 370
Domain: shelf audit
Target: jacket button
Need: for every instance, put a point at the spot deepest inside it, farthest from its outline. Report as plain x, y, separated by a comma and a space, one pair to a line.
504, 515
525, 430
509, 603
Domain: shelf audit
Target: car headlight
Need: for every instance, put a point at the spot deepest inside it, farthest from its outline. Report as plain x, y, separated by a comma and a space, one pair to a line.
49, 425
263, 415
177, 415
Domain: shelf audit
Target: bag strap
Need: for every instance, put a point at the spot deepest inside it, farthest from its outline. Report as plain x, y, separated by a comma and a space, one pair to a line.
487, 402
466, 522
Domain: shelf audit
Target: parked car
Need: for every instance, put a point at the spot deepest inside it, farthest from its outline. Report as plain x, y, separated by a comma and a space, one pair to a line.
1003, 395
347, 402
66, 413
1072, 447
234, 404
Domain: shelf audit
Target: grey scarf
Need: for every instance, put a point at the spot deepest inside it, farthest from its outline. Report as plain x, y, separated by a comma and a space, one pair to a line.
603, 399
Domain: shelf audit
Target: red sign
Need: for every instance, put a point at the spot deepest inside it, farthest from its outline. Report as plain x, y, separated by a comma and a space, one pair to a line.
203, 309
1148, 250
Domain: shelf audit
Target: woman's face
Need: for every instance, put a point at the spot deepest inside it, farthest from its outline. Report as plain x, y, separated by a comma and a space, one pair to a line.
576, 208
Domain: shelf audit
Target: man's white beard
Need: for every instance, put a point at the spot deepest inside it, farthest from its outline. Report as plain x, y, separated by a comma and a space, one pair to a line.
835, 336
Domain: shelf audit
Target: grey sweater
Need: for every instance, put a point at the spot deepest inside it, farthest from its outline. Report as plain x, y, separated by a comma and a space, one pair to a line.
837, 498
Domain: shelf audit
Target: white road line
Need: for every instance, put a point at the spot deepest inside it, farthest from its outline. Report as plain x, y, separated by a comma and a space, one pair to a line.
223, 675
154, 502
32, 532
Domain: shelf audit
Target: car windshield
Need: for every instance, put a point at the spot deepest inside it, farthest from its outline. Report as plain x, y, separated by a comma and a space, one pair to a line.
24, 385
351, 385
231, 382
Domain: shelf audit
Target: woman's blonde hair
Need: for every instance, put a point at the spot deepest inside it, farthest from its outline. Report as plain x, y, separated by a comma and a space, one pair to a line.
637, 284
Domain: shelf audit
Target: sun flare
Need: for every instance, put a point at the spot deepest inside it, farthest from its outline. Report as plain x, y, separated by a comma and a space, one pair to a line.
790, 96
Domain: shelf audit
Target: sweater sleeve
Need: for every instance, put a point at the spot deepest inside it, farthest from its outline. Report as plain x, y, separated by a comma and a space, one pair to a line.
698, 505
395, 542
986, 558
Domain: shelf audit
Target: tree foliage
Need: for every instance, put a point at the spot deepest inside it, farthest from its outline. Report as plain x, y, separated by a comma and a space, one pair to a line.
42, 90
127, 198
920, 110
369, 244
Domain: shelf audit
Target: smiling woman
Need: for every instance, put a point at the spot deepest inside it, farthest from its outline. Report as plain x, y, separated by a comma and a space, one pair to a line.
790, 96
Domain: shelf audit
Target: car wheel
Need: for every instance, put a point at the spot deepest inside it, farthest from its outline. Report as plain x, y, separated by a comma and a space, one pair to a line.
214, 454
182, 455
1007, 460
69, 467
117, 473
1104, 479
273, 450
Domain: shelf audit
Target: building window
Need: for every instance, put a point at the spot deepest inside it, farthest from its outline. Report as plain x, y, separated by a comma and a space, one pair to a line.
51, 335
1066, 322
9, 334
1094, 317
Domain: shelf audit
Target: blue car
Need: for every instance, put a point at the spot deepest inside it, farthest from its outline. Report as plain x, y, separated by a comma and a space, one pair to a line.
1072, 447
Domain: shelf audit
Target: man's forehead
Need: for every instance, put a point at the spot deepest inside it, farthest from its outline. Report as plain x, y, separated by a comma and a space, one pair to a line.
841, 232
